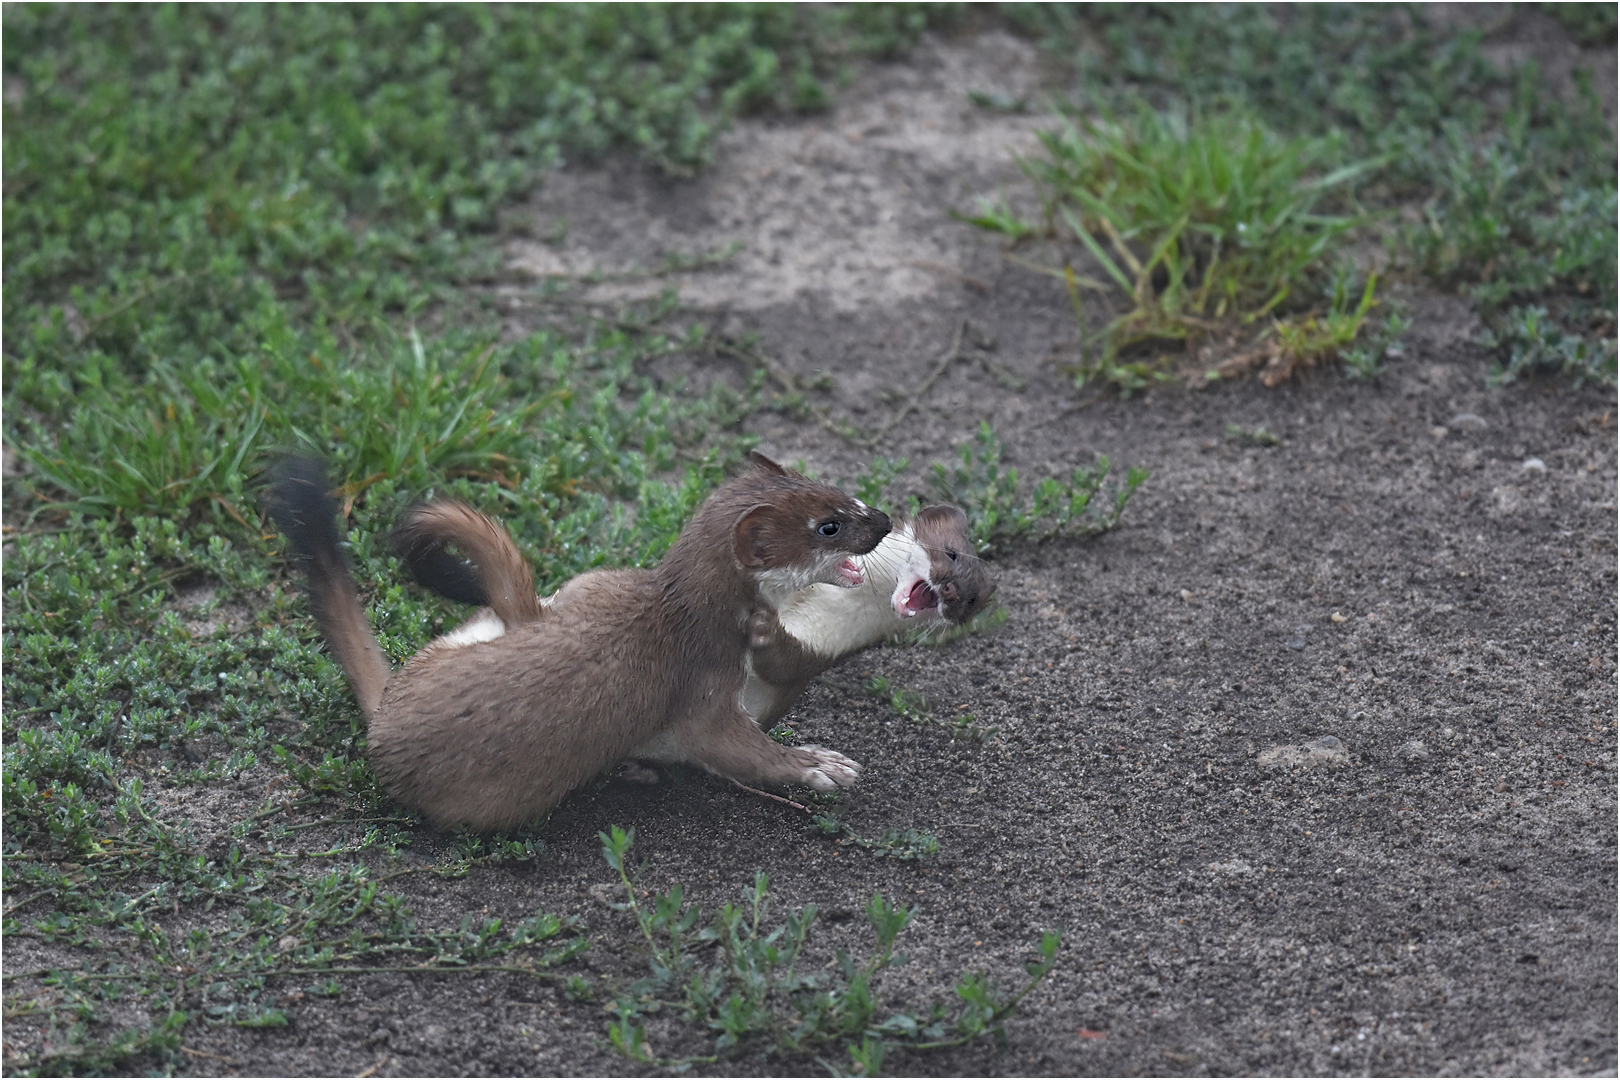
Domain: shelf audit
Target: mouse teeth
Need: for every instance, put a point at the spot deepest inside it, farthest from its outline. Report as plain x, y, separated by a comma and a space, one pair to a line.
908, 604
851, 573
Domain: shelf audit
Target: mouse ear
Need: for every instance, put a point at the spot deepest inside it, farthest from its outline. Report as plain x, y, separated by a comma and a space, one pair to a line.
750, 537
942, 517
760, 461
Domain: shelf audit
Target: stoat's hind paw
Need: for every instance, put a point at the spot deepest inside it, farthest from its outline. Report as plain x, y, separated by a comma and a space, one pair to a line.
831, 770
635, 772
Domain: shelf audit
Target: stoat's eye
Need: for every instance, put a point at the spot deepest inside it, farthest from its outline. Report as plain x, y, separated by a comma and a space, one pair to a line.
828, 528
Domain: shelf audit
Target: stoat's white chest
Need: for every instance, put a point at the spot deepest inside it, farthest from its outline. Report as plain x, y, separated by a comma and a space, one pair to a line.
830, 621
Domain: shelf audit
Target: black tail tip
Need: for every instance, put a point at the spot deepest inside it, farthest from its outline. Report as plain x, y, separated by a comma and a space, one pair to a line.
434, 567
300, 503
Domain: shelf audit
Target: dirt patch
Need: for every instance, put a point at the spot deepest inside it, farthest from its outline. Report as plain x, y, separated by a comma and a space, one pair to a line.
1313, 759
837, 211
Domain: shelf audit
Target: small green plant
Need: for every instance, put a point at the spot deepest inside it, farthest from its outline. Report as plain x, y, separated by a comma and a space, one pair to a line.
1363, 361
1589, 24
998, 510
1257, 436
912, 706
1312, 337
1512, 183
1530, 343
756, 991
905, 845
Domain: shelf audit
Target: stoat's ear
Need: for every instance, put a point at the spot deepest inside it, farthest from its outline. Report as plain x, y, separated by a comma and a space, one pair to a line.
750, 537
760, 461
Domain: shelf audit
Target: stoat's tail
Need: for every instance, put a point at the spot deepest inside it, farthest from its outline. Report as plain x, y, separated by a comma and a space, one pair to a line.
300, 505
492, 574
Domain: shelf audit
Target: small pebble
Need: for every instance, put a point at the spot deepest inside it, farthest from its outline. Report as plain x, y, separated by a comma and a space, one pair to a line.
1534, 465
1327, 750
1337, 617
1468, 422
1233, 866
1412, 751
1438, 432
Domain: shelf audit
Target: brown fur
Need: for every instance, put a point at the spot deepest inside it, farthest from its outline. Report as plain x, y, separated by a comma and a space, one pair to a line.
508, 588
493, 733
305, 512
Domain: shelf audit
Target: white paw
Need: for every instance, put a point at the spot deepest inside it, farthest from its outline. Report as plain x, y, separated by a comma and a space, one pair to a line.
832, 770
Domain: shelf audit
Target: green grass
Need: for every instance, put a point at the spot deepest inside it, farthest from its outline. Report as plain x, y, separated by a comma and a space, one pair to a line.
1000, 509
1486, 182
1197, 220
184, 182
754, 990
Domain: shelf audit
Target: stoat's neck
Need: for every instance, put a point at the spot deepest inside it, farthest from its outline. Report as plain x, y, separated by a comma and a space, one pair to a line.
831, 621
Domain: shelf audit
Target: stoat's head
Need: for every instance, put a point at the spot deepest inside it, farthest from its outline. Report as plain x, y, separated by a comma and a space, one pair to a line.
795, 532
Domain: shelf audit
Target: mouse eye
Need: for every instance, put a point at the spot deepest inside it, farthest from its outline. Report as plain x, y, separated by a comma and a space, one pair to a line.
828, 528
950, 554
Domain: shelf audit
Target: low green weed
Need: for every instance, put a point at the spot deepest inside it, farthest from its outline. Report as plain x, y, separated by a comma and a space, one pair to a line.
1312, 337
1529, 343
912, 706
755, 993
1338, 330
1256, 436
1590, 24
999, 509
252, 931
1364, 360
904, 845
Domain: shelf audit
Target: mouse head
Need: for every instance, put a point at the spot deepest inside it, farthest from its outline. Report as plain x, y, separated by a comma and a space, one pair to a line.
955, 584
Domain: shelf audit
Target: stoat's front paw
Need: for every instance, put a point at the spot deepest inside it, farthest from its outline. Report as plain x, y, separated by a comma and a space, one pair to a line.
763, 628
831, 770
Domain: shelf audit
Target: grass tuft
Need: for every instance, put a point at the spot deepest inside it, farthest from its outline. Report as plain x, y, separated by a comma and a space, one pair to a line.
999, 509
1196, 220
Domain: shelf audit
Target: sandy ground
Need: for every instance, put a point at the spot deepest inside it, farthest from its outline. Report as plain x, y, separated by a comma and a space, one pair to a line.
1312, 759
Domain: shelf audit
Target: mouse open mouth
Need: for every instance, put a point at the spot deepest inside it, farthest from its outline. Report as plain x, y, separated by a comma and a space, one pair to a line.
909, 603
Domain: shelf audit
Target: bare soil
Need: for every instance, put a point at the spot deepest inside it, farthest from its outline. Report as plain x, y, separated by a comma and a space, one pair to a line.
1312, 759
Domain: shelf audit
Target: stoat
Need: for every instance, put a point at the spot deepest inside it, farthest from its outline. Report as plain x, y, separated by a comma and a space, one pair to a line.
923, 574
492, 730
